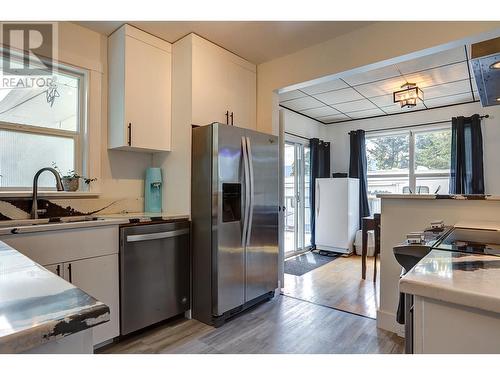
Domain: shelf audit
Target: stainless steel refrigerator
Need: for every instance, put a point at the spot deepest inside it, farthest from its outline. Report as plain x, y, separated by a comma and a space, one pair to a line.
234, 211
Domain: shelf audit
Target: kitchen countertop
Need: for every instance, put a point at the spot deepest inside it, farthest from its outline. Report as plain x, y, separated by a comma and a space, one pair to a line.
465, 279
439, 196
37, 307
142, 216
8, 227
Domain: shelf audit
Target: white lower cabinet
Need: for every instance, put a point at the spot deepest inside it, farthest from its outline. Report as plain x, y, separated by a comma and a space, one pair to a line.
97, 277
85, 257
57, 268
447, 328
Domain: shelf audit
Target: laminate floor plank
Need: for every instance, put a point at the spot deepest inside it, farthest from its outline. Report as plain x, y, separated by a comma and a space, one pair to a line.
282, 325
338, 284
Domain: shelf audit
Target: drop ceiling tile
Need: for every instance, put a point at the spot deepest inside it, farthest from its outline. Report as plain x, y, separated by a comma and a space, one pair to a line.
387, 86
295, 94
383, 100
431, 61
334, 118
389, 71
321, 111
335, 84
302, 103
436, 76
339, 96
452, 88
367, 113
358, 105
447, 100
396, 108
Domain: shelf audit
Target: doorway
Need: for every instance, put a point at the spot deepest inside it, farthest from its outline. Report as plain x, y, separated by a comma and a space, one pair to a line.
297, 215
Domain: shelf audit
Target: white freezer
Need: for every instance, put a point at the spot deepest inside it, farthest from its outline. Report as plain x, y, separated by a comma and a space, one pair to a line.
336, 213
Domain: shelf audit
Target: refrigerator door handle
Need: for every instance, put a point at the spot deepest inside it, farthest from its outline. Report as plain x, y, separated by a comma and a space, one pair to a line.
318, 198
250, 211
246, 207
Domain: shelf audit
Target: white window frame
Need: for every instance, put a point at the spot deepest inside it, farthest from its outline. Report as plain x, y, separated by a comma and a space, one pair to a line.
80, 136
412, 175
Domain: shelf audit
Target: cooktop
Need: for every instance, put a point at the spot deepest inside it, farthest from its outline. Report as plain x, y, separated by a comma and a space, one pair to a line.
477, 241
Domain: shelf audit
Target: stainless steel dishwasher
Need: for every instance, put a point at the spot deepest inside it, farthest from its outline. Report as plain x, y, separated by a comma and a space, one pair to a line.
154, 273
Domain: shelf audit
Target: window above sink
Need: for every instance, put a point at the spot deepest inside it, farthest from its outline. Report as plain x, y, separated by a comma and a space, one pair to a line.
42, 121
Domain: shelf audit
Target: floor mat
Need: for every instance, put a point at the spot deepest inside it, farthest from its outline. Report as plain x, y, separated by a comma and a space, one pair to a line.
304, 263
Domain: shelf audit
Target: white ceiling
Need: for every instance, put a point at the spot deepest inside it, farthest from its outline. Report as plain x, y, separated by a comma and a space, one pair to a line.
255, 41
443, 77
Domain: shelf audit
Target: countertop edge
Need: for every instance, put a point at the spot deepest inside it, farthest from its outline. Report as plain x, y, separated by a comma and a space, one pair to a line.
440, 197
35, 336
446, 294
110, 219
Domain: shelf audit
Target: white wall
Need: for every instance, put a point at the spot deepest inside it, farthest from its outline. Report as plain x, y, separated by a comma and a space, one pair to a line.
302, 126
338, 135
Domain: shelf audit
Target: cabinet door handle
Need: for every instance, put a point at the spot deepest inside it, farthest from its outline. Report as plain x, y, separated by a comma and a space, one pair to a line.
58, 270
69, 271
129, 134
232, 118
227, 117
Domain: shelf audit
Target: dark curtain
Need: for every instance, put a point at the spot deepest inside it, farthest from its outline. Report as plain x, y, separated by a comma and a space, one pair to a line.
466, 170
320, 168
357, 169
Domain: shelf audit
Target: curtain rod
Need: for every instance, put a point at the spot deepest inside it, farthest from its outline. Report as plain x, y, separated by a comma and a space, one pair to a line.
416, 125
296, 135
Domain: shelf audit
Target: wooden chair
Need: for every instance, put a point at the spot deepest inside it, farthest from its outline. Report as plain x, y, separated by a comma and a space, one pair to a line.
370, 223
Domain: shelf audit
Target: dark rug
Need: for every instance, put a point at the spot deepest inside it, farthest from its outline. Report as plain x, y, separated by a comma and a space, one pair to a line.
307, 262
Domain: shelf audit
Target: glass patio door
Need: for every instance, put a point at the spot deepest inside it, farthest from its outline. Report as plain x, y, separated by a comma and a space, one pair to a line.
297, 204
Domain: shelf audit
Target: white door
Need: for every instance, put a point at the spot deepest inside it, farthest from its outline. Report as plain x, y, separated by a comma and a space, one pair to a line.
147, 95
99, 278
297, 216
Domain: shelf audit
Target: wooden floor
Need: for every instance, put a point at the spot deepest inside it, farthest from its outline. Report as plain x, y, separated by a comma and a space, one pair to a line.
338, 284
283, 325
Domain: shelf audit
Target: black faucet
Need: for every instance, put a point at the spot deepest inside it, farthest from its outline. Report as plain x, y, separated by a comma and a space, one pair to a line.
59, 186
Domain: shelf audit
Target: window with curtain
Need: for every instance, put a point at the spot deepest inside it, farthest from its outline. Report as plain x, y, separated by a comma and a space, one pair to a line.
41, 124
415, 160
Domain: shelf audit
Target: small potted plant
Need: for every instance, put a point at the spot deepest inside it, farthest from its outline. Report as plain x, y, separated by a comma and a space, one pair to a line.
71, 180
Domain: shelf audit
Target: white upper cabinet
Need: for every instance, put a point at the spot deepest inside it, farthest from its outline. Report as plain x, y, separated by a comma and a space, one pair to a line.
223, 86
139, 67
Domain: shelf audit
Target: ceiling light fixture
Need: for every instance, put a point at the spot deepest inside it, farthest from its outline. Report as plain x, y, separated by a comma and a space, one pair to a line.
409, 95
495, 65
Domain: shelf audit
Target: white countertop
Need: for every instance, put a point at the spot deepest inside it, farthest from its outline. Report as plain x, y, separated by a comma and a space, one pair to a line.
8, 227
36, 306
439, 197
465, 279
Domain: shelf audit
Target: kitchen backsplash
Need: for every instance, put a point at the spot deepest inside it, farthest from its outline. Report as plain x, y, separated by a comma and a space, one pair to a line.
20, 208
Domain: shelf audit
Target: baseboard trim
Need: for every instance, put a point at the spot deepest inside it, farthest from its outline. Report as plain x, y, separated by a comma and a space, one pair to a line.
387, 321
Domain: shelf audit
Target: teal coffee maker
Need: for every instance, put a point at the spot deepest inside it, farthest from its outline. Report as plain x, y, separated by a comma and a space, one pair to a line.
153, 190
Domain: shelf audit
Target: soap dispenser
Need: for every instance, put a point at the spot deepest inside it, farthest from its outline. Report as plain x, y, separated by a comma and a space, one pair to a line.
153, 190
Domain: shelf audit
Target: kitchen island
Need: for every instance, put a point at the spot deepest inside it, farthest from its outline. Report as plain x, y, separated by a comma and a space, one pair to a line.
456, 303
41, 312
404, 213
